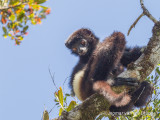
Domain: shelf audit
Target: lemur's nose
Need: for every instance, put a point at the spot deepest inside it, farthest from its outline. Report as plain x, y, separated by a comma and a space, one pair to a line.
81, 50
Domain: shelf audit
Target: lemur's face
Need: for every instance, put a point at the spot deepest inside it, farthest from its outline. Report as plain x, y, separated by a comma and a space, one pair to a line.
80, 47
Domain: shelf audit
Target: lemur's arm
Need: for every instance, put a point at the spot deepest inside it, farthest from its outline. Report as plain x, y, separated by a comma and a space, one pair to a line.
106, 58
107, 55
131, 55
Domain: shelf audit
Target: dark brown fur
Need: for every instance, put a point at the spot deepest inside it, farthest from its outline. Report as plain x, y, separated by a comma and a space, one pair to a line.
103, 62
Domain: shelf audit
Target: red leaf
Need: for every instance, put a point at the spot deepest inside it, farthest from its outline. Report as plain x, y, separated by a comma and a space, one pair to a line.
3, 20
48, 11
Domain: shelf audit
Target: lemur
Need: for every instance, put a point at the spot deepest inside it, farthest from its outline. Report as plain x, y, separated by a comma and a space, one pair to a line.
99, 65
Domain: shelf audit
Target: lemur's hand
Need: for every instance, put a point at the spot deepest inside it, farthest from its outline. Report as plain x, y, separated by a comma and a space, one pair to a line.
125, 81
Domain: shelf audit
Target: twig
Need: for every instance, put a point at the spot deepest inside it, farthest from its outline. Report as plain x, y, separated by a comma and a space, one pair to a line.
135, 22
146, 12
64, 82
51, 109
13, 6
52, 77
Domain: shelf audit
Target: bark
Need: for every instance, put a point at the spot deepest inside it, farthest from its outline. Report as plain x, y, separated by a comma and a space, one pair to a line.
88, 110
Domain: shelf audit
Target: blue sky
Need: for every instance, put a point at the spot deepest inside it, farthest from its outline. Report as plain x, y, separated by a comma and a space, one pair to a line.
25, 83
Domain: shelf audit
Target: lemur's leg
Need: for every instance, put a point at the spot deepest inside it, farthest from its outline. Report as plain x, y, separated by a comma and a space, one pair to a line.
119, 101
138, 98
131, 55
142, 94
102, 87
105, 58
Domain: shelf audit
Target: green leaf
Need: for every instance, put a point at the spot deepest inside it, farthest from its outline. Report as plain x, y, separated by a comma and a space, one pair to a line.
20, 25
152, 77
25, 28
71, 106
55, 100
67, 94
157, 70
44, 7
12, 2
21, 16
40, 1
5, 31
12, 17
154, 92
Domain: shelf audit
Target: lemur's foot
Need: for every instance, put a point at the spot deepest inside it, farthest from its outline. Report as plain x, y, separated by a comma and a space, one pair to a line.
125, 81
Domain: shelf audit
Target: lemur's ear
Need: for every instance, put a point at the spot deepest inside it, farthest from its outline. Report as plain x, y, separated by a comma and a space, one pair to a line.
66, 44
86, 32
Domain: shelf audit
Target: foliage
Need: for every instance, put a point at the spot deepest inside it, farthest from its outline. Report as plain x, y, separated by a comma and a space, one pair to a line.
61, 102
16, 17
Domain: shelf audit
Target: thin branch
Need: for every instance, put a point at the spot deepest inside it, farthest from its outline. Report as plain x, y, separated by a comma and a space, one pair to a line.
52, 77
135, 22
65, 82
146, 12
52, 109
13, 6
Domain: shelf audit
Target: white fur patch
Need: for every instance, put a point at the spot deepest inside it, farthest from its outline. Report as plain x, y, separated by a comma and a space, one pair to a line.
77, 84
110, 81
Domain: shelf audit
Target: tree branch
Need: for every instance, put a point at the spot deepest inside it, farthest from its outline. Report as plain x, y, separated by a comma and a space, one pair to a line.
141, 68
88, 110
134, 24
146, 12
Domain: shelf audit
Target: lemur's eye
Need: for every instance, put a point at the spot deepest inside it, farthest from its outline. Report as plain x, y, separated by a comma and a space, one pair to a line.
74, 49
83, 42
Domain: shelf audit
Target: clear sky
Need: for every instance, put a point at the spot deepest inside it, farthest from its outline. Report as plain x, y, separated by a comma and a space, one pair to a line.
25, 83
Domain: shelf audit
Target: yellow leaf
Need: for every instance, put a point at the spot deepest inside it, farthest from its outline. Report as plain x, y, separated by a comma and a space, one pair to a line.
71, 106
60, 96
5, 36
45, 115
60, 111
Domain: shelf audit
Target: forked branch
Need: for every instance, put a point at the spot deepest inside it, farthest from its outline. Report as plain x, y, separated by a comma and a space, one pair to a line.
146, 13
134, 24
